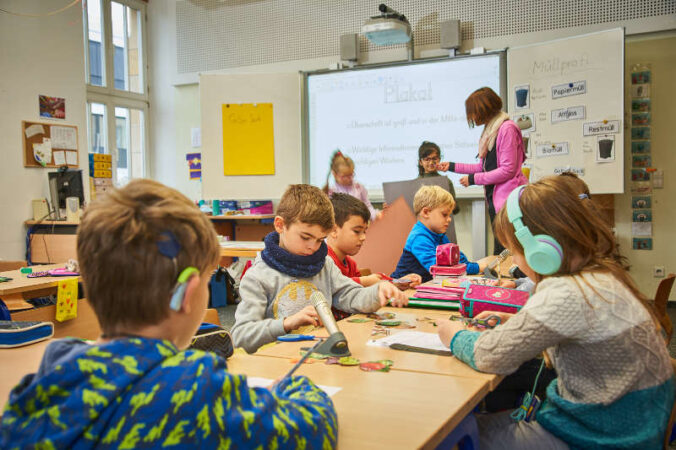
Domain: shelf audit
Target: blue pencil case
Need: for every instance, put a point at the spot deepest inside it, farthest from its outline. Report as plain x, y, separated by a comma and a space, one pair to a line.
16, 334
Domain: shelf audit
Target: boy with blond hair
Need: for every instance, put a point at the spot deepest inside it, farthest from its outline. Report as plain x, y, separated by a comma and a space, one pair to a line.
276, 289
146, 255
433, 206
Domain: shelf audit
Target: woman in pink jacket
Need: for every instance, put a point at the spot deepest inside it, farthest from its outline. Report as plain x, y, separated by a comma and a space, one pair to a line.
501, 152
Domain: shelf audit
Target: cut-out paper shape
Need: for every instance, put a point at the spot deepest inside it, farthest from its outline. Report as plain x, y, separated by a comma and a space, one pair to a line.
522, 95
606, 148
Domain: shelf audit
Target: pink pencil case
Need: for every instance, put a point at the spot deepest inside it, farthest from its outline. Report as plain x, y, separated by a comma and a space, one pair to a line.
441, 290
453, 271
478, 298
437, 295
62, 272
448, 254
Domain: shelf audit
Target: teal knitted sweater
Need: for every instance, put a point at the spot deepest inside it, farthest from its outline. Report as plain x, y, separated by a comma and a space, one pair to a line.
615, 386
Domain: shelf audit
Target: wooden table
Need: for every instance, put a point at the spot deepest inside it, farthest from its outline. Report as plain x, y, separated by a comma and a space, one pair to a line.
21, 287
16, 363
397, 409
358, 334
241, 249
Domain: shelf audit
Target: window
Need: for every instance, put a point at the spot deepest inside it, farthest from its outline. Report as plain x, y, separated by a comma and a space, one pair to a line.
116, 109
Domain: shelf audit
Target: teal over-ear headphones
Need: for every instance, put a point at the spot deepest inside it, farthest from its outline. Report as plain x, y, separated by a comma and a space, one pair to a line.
543, 254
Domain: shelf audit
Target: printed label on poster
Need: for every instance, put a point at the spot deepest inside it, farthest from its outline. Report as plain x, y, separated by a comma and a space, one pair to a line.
568, 89
579, 171
559, 148
602, 127
571, 113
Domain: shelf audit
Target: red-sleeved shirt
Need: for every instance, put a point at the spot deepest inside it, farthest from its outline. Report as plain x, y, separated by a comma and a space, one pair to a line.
348, 268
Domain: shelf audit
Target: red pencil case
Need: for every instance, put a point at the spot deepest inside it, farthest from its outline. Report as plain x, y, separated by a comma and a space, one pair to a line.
452, 271
448, 254
478, 298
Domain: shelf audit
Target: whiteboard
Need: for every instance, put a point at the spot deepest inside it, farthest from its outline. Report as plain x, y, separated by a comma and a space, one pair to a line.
570, 93
380, 115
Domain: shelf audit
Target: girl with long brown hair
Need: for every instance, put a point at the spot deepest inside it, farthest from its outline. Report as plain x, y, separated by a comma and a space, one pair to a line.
615, 385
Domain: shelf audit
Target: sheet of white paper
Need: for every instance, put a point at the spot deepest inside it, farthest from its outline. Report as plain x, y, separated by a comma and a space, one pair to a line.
196, 137
59, 158
63, 137
413, 338
34, 129
267, 382
47, 149
71, 158
642, 228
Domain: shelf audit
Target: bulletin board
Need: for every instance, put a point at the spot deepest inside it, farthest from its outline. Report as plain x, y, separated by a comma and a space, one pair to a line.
62, 139
568, 97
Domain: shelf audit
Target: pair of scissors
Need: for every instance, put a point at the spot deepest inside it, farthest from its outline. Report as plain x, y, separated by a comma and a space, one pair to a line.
485, 322
296, 338
479, 323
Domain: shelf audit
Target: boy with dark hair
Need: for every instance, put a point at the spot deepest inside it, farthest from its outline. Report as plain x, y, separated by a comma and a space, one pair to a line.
348, 236
146, 254
276, 289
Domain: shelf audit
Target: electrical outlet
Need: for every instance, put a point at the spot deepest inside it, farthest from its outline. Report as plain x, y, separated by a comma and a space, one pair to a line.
658, 271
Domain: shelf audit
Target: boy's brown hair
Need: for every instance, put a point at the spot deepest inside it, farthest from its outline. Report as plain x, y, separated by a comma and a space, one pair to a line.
346, 206
307, 204
432, 197
482, 105
127, 280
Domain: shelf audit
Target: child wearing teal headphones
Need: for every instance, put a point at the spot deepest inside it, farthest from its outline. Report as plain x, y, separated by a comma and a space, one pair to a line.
615, 385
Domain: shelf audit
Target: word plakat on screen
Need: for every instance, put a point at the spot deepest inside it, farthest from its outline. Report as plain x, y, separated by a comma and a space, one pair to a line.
568, 89
559, 148
603, 127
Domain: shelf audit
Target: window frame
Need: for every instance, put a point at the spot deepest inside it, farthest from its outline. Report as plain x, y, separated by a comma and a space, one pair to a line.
108, 95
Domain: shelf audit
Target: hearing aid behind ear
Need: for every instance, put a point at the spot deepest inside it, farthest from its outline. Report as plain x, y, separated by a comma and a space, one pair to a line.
181, 286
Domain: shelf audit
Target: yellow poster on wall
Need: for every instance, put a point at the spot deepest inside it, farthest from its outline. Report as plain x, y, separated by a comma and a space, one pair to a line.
248, 139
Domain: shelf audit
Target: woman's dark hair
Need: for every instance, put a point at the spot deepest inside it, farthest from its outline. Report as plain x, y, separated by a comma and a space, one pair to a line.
425, 150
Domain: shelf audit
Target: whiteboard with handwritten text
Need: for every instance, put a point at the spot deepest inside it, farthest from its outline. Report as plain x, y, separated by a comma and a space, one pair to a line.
568, 97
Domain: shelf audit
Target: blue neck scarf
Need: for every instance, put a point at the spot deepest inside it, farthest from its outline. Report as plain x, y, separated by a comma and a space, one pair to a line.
293, 265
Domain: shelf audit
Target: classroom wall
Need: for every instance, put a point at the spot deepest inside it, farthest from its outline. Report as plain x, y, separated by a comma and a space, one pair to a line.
660, 53
38, 56
169, 84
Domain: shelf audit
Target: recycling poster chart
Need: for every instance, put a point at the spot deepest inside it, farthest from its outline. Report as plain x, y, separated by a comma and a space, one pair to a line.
567, 97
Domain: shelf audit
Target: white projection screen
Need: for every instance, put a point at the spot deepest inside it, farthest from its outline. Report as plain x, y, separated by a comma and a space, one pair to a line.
380, 115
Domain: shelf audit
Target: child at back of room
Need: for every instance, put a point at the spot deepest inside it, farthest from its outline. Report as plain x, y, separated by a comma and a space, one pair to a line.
347, 238
432, 206
146, 255
615, 385
341, 167
276, 289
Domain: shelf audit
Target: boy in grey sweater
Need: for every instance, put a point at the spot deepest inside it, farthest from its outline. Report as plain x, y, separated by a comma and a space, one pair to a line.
276, 289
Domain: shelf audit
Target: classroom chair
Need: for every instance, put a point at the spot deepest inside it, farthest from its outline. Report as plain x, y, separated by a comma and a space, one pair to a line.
211, 316
465, 435
660, 305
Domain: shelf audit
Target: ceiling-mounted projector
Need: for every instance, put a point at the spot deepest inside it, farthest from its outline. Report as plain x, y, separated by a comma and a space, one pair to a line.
389, 28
